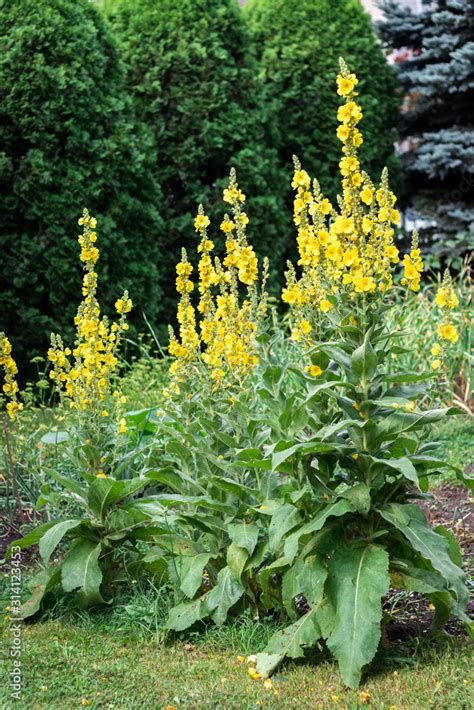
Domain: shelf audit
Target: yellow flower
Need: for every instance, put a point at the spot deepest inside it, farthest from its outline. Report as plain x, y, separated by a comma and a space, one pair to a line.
202, 221
325, 305
253, 673
364, 696
314, 370
446, 297
436, 349
227, 226
101, 474
367, 195
301, 179
305, 327
436, 364
448, 332
268, 684
346, 84
122, 426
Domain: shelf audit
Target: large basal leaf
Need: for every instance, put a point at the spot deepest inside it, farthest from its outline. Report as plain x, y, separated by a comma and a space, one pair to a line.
182, 616
290, 642
40, 585
224, 595
358, 579
53, 537
284, 519
237, 559
410, 520
31, 538
338, 508
244, 535
81, 571
191, 572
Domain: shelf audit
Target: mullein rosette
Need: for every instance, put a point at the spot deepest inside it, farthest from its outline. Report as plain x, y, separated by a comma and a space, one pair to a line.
220, 331
84, 374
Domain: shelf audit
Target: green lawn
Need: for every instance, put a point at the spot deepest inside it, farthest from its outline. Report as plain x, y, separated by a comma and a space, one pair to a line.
69, 665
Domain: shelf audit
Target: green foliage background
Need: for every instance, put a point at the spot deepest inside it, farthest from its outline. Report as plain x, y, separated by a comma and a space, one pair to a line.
193, 76
299, 43
68, 139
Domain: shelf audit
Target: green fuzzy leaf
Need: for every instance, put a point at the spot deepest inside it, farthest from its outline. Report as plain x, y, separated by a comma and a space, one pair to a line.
184, 615
224, 595
284, 519
32, 538
358, 580
414, 579
244, 535
120, 523
359, 496
290, 642
337, 508
403, 465
191, 572
410, 520
40, 585
55, 437
81, 571
103, 492
312, 576
53, 537
237, 559
364, 361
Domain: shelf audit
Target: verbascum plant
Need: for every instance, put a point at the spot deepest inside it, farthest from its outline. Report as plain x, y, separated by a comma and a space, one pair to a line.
220, 330
10, 386
345, 253
313, 516
84, 374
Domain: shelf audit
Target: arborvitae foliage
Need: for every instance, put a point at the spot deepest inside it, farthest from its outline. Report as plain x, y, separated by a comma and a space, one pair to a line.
193, 77
437, 125
299, 44
68, 139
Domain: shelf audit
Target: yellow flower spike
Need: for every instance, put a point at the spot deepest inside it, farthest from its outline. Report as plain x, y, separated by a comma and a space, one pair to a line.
10, 370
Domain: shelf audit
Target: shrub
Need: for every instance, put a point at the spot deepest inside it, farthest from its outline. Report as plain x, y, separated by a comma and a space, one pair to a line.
298, 44
68, 137
193, 78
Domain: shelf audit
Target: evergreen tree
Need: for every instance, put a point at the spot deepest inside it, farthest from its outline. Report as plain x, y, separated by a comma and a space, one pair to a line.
436, 63
299, 43
68, 140
194, 81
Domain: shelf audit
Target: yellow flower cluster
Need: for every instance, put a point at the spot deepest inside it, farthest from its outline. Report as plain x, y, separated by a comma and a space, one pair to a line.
350, 250
446, 299
227, 322
10, 370
85, 381
412, 266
